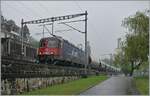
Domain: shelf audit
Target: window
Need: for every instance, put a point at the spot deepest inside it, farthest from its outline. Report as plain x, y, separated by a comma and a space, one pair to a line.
52, 43
43, 43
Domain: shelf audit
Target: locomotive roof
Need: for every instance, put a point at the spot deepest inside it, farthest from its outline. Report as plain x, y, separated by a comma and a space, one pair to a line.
52, 37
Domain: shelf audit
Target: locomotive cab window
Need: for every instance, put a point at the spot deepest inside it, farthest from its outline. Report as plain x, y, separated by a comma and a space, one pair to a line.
43, 43
52, 43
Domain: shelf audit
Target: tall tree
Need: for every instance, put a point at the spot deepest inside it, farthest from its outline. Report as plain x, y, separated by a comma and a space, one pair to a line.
136, 45
136, 48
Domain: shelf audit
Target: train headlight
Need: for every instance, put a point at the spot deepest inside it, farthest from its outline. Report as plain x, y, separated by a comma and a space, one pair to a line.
51, 52
45, 52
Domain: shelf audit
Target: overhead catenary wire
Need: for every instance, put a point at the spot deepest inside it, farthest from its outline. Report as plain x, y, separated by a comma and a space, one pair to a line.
56, 31
93, 27
73, 28
76, 2
17, 11
44, 7
78, 5
30, 9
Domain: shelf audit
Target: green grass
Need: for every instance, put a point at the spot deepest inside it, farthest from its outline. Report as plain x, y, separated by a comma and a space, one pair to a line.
70, 88
142, 84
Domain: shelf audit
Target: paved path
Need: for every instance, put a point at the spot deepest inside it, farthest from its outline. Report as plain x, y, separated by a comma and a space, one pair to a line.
116, 85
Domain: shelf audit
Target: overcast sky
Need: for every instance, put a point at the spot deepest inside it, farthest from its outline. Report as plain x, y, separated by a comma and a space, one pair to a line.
104, 19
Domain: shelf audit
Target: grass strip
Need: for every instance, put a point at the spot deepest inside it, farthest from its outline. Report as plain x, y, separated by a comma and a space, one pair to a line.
70, 88
142, 84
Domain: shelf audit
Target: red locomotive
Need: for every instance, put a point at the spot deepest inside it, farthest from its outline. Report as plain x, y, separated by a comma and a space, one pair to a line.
56, 49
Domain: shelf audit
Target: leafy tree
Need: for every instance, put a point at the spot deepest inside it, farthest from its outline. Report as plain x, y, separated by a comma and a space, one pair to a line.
9, 25
135, 49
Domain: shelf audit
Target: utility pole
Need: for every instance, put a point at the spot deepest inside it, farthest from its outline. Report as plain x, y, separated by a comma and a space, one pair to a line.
52, 28
86, 55
43, 30
22, 52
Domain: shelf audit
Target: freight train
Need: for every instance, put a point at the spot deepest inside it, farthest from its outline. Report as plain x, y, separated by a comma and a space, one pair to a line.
58, 50
52, 50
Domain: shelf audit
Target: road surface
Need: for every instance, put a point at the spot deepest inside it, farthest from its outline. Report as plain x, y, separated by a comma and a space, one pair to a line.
115, 85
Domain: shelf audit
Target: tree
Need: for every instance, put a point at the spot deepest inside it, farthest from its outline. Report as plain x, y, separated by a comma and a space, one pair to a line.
136, 46
9, 25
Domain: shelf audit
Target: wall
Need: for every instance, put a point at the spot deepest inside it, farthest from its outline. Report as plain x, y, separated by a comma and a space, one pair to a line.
20, 85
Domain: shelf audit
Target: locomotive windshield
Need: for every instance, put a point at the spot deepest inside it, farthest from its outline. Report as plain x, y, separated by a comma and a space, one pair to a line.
51, 42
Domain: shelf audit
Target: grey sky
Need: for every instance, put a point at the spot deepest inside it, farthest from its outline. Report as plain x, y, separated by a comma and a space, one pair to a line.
104, 19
